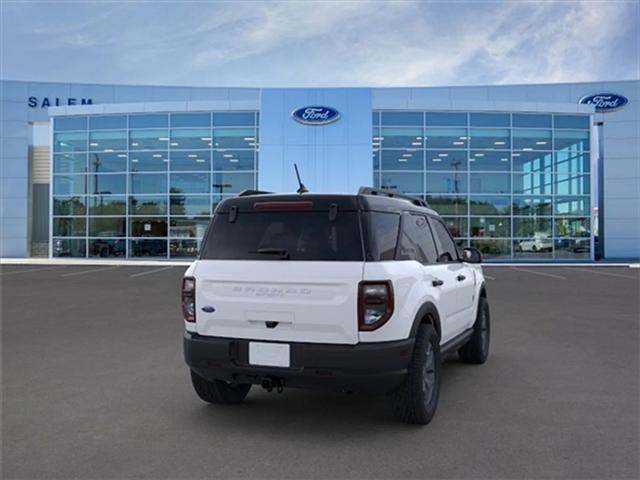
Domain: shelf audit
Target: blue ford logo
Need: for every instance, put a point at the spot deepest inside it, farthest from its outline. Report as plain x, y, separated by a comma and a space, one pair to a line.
605, 102
315, 115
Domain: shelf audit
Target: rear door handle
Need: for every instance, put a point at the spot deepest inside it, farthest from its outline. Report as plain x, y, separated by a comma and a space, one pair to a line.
437, 282
460, 278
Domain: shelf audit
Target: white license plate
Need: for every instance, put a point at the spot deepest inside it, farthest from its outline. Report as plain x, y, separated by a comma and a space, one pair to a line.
269, 354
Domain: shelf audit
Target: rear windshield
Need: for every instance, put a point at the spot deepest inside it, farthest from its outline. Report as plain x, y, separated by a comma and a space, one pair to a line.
284, 236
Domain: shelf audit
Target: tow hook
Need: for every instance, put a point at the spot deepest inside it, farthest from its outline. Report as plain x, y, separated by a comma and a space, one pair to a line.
269, 383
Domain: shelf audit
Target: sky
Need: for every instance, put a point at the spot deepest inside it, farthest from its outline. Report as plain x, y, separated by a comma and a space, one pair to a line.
320, 43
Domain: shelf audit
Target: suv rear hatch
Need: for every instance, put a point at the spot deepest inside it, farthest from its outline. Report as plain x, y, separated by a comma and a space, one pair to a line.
282, 270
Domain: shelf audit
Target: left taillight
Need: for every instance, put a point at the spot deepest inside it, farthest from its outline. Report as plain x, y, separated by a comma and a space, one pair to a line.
189, 299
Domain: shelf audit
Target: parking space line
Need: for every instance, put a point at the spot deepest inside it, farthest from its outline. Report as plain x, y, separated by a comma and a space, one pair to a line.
600, 272
489, 277
149, 272
27, 271
539, 273
82, 272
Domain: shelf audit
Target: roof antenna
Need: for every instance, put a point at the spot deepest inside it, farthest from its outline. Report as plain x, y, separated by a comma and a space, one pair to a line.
301, 188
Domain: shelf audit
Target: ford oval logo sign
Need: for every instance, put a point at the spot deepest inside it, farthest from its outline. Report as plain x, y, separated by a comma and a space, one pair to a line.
315, 115
605, 102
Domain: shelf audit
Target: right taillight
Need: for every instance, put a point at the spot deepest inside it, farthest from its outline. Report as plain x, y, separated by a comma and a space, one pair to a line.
375, 304
189, 299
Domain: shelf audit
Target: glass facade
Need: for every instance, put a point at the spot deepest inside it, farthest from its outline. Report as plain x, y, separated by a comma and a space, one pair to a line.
145, 185
514, 185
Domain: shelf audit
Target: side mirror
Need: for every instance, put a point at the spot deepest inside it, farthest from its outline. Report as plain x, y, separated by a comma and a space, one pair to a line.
471, 255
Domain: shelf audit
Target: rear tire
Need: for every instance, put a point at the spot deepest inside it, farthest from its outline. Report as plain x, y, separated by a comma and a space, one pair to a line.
476, 350
219, 392
415, 401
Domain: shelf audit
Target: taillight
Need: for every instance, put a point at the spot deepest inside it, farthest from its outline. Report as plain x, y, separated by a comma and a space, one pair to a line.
189, 299
375, 304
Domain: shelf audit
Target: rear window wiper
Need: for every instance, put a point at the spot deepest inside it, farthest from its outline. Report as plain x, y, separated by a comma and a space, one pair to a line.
283, 252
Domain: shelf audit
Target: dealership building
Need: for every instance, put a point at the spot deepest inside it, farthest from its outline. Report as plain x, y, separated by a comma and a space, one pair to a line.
547, 172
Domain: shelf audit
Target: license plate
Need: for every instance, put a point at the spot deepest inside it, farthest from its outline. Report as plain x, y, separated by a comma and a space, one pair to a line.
269, 354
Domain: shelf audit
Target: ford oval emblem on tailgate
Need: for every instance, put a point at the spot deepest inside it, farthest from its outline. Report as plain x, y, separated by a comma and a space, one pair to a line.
208, 309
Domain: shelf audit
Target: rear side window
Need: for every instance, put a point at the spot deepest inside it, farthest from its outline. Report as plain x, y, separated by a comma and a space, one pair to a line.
416, 241
446, 246
382, 234
281, 235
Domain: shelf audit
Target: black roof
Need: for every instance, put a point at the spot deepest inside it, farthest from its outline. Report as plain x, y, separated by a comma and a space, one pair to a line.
366, 199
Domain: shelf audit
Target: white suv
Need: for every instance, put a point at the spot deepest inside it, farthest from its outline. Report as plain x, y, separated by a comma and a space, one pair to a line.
363, 292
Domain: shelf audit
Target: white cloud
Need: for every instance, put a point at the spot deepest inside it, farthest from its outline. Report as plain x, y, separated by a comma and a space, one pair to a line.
323, 43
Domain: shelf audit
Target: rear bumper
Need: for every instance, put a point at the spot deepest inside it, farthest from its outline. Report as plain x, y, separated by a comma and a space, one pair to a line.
370, 367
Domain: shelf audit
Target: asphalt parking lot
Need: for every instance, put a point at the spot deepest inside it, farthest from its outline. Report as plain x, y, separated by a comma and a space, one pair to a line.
94, 386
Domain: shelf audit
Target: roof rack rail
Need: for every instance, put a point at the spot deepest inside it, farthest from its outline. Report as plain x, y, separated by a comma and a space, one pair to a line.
384, 192
246, 193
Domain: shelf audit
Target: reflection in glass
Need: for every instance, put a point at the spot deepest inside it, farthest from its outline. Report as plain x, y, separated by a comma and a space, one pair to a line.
402, 159
572, 227
490, 138
450, 160
63, 247
190, 120
69, 227
573, 184
184, 248
446, 119
190, 160
234, 119
69, 142
573, 248
147, 248
148, 121
106, 184
446, 137
457, 226
571, 162
189, 205
489, 161
105, 247
70, 163
148, 183
190, 138
231, 182
149, 139
526, 162
573, 205
107, 205
534, 139
401, 137
492, 248
108, 141
189, 183
107, 122
147, 205
69, 184
69, 123
571, 121
402, 118
403, 182
490, 205
490, 183
531, 120
193, 227
447, 182
107, 227
148, 161
531, 206
538, 246
532, 183
101, 162
490, 227
531, 227
69, 205
572, 140
448, 205
234, 138
234, 160
489, 120
148, 227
